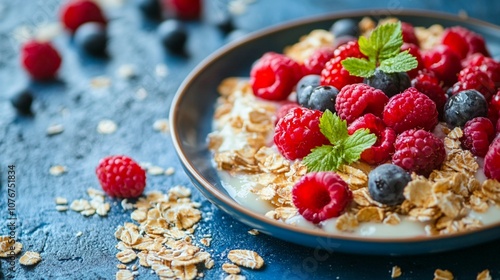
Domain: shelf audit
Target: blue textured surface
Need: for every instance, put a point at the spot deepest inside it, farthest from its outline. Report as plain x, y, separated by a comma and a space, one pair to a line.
23, 142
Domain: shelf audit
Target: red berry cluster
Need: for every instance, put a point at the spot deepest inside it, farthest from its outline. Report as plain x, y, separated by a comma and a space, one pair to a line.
403, 124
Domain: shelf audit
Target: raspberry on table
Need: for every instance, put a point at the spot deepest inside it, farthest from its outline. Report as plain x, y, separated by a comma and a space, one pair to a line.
355, 100
472, 77
77, 12
386, 184
463, 41
419, 151
478, 133
297, 133
382, 150
321, 195
274, 76
40, 59
410, 109
444, 62
492, 160
464, 106
120, 176
315, 63
334, 73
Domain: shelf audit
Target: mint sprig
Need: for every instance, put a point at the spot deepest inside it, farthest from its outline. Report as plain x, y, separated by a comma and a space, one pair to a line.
344, 148
383, 49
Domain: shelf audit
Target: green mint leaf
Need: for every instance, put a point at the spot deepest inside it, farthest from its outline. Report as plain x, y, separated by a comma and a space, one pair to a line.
333, 127
402, 62
359, 67
387, 39
365, 47
324, 158
359, 141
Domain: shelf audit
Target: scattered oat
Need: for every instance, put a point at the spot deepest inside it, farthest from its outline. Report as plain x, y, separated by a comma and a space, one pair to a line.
484, 275
100, 82
155, 170
442, 275
57, 170
169, 171
30, 258
237, 7
124, 274
62, 208
206, 241
55, 129
6, 247
253, 232
121, 266
126, 205
396, 272
161, 125
141, 94
126, 256
126, 71
161, 70
231, 268
61, 200
235, 277
78, 234
106, 126
246, 258
48, 31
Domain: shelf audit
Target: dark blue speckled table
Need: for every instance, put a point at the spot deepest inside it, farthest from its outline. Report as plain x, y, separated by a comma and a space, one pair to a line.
70, 101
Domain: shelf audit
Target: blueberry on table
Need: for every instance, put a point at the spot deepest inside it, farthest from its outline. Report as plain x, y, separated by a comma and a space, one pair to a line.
344, 27
386, 184
225, 25
390, 83
22, 102
150, 8
173, 35
464, 106
92, 37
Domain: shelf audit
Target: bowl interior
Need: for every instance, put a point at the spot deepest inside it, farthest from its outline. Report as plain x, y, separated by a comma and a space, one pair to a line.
193, 106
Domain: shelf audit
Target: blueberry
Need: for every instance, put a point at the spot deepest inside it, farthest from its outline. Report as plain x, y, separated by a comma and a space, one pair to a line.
150, 8
390, 83
225, 25
310, 81
345, 27
173, 35
92, 38
464, 106
320, 98
22, 102
386, 184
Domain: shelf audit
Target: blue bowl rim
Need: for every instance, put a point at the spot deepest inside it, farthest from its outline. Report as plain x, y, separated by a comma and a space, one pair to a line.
214, 57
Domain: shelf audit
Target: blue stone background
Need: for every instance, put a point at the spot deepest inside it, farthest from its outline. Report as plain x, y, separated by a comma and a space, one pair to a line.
24, 143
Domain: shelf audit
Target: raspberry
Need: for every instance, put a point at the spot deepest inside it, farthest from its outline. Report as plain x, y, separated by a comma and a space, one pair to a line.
472, 78
315, 63
486, 64
415, 51
183, 9
334, 74
493, 114
463, 41
410, 109
495, 101
409, 34
356, 100
492, 160
274, 76
478, 134
40, 59
121, 176
283, 110
297, 133
77, 12
384, 147
444, 62
427, 83
418, 151
321, 195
